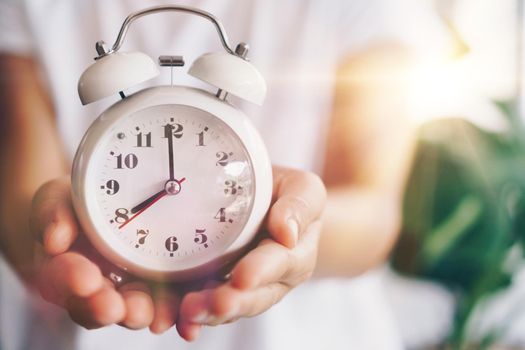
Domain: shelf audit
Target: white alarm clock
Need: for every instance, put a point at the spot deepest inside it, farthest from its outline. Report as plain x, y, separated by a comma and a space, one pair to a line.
171, 183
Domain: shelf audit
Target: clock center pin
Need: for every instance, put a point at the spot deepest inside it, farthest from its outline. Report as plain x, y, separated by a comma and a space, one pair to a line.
172, 187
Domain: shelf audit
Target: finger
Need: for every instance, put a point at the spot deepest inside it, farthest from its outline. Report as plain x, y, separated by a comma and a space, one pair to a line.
192, 314
52, 219
304, 256
268, 262
255, 301
104, 308
139, 305
188, 331
210, 306
227, 303
299, 200
70, 274
271, 262
166, 305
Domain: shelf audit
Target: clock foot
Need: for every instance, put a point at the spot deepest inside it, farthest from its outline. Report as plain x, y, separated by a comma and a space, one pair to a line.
117, 280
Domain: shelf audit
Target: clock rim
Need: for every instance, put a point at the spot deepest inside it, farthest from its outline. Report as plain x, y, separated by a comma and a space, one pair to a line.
178, 95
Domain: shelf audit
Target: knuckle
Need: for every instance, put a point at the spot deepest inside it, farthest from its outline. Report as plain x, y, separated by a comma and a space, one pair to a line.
217, 308
42, 206
294, 265
50, 194
307, 271
44, 194
302, 266
271, 295
277, 292
221, 303
299, 277
293, 260
40, 193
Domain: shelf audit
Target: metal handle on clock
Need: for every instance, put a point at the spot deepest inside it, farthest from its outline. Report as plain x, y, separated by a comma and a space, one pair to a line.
156, 9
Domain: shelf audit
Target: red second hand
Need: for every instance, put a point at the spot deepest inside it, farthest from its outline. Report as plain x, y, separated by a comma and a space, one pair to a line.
142, 210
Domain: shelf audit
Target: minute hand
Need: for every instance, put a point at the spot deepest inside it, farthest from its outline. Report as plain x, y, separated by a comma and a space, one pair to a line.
168, 133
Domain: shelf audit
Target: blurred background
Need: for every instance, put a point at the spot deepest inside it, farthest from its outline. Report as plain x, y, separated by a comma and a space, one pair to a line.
457, 278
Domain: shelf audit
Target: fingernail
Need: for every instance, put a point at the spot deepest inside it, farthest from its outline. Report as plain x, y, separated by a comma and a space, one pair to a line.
294, 229
201, 317
160, 327
194, 332
211, 320
232, 313
60, 234
48, 231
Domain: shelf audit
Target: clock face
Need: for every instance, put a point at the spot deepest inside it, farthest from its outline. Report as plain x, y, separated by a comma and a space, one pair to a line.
170, 187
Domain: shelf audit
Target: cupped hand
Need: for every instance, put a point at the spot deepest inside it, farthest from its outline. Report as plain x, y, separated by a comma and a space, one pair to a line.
70, 278
278, 264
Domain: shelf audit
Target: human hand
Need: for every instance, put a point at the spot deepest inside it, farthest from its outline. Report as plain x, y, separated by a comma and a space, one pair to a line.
69, 272
278, 264
73, 279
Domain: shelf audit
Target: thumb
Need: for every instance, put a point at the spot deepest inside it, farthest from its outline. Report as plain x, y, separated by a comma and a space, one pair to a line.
52, 218
299, 200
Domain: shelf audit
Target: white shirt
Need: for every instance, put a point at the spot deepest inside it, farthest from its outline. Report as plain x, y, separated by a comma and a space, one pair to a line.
297, 46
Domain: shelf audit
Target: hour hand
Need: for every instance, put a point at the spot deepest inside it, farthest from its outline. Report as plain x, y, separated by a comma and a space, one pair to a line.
147, 202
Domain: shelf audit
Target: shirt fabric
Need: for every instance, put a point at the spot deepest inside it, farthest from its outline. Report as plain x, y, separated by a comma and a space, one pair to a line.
297, 46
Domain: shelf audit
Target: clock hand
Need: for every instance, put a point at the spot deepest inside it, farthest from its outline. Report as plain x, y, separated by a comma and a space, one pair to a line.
171, 187
155, 199
168, 133
146, 202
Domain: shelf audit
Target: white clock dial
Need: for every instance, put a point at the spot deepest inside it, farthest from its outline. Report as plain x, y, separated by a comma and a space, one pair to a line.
173, 187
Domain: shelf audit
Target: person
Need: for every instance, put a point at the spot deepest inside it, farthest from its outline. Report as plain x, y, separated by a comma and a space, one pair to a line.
334, 107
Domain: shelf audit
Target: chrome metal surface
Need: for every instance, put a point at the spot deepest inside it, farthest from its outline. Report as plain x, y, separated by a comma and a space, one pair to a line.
116, 279
101, 48
171, 61
242, 50
157, 9
221, 94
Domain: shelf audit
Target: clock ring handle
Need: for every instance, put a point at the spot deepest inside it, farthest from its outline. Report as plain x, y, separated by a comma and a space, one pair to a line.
157, 9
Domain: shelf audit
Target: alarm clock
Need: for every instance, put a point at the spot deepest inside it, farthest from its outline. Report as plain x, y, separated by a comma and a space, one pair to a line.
171, 183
